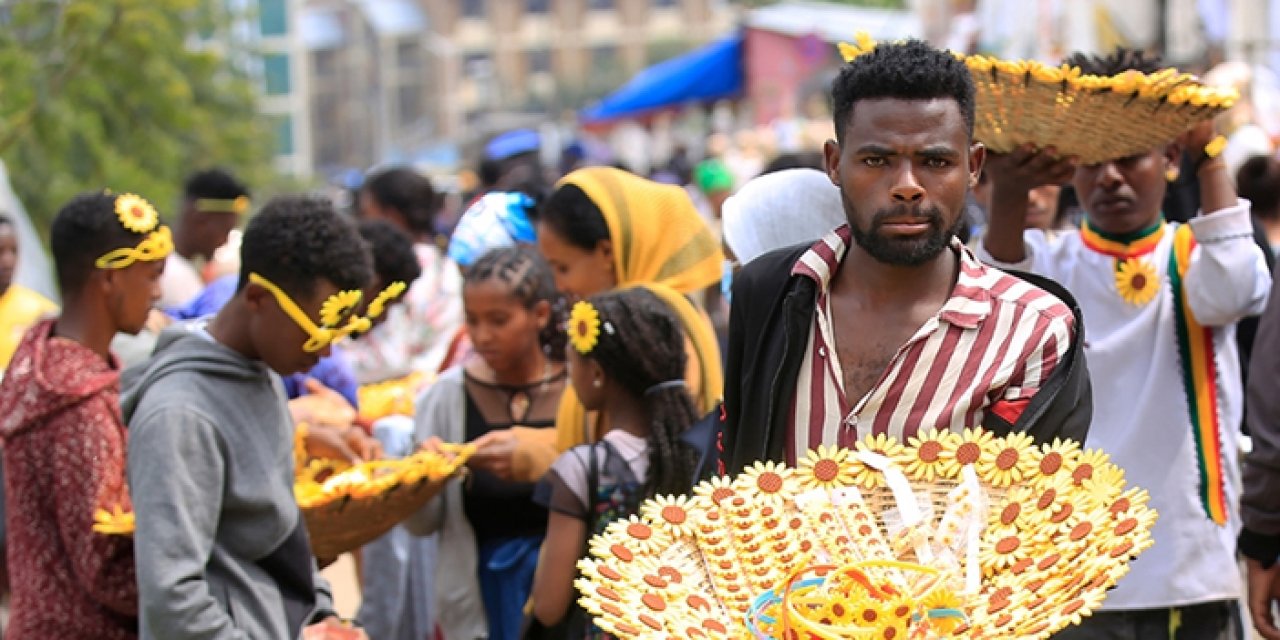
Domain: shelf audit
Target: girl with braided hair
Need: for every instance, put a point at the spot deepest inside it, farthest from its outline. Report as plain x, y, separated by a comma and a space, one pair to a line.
626, 360
490, 528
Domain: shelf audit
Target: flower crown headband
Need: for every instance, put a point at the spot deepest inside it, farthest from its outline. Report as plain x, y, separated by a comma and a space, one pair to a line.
238, 206
137, 215
584, 327
332, 311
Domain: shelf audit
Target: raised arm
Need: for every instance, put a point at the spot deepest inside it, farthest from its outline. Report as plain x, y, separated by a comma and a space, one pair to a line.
1012, 176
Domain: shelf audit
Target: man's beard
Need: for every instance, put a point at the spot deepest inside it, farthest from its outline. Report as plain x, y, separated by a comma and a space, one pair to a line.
905, 252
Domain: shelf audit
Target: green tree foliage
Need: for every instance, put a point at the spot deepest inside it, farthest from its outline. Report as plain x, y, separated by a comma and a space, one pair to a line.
125, 94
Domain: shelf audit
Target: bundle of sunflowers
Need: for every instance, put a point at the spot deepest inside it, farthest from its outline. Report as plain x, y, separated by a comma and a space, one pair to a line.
1095, 118
346, 506
953, 535
390, 398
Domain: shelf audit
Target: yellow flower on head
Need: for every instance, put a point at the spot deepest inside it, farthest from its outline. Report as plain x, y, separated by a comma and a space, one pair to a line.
1137, 281
337, 306
584, 327
136, 214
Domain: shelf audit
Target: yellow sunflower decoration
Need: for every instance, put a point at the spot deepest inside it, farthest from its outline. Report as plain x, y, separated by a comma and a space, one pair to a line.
384, 298
337, 306
136, 214
584, 327
1136, 281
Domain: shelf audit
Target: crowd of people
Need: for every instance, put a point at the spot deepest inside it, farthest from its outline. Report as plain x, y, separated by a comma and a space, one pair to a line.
603, 338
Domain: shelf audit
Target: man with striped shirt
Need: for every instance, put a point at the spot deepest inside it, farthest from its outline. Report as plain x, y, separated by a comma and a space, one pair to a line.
889, 325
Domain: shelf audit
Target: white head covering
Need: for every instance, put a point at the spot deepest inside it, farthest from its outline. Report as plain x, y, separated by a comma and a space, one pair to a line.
780, 209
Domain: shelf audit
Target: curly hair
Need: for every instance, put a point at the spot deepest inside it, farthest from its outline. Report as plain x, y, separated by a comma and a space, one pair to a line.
1119, 61
409, 193
574, 217
641, 348
393, 257
86, 228
296, 241
910, 70
526, 273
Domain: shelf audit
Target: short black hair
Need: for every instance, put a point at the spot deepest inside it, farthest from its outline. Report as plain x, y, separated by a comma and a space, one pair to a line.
393, 257
408, 192
1258, 181
1118, 61
572, 214
910, 70
216, 184
85, 229
297, 240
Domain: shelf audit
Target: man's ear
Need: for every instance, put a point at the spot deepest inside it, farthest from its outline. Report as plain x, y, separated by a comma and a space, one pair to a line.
977, 158
1173, 155
831, 160
254, 296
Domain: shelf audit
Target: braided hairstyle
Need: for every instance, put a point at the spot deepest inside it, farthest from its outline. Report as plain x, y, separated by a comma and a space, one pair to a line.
530, 279
642, 347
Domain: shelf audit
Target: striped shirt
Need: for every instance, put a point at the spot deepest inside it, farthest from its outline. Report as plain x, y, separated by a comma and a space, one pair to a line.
987, 349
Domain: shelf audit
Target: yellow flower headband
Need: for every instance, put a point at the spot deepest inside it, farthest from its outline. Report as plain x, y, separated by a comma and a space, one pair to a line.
332, 311
137, 215
584, 327
238, 206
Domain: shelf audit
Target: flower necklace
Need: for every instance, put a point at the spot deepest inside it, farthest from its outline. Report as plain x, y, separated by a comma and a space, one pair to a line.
1137, 280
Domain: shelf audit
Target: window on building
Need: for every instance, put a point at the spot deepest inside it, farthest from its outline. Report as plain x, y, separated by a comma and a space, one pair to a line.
537, 6
539, 61
283, 125
600, 4
477, 64
324, 63
408, 54
275, 68
273, 17
666, 3
604, 61
473, 8
409, 100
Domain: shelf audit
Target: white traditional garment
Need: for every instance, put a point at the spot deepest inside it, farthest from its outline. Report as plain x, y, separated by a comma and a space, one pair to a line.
1140, 409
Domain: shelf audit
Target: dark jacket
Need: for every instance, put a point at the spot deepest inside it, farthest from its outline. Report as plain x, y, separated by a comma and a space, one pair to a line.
769, 324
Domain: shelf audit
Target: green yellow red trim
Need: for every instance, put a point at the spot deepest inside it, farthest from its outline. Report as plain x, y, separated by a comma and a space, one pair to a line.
1123, 246
1200, 378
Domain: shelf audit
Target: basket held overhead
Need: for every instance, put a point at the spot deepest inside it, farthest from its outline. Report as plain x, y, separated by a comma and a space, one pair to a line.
1094, 118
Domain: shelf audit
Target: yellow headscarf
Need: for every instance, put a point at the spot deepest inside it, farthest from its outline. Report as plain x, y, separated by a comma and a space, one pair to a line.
661, 243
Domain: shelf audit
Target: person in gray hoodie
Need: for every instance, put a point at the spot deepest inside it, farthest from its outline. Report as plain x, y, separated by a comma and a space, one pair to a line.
222, 550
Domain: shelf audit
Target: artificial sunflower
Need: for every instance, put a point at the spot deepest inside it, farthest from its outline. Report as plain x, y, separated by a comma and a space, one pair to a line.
584, 327
1136, 281
136, 214
827, 467
337, 306
925, 453
670, 513
1007, 460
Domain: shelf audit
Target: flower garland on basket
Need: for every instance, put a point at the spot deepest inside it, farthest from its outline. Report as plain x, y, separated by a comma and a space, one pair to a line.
950, 535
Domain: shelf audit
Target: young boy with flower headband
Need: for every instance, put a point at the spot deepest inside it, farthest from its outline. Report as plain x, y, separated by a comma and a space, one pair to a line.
211, 439
64, 439
1160, 303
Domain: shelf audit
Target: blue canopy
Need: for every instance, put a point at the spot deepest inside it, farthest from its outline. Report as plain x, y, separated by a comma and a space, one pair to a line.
709, 73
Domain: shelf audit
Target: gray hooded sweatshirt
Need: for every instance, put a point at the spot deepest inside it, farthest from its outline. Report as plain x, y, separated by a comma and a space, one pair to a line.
222, 550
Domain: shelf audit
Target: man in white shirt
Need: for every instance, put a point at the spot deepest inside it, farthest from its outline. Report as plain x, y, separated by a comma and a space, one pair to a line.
1160, 302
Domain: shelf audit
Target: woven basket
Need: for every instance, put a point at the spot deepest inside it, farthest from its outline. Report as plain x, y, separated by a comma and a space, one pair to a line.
1095, 125
1091, 117
956, 535
350, 515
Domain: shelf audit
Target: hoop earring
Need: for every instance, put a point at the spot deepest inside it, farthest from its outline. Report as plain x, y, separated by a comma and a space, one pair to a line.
1171, 174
